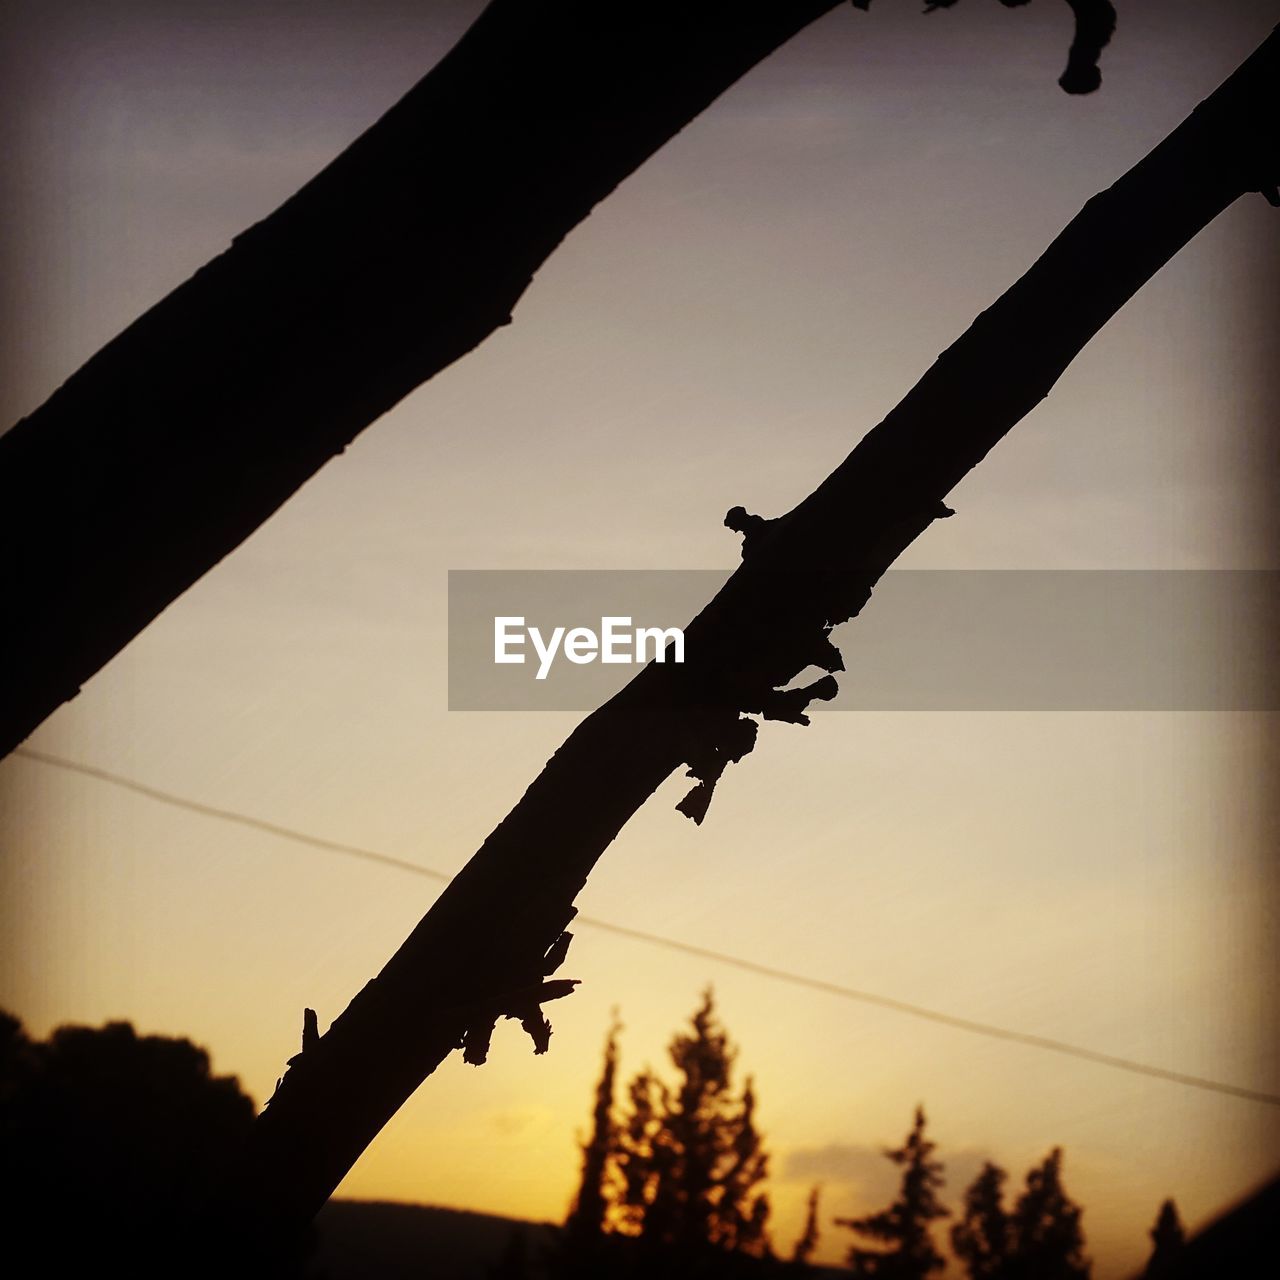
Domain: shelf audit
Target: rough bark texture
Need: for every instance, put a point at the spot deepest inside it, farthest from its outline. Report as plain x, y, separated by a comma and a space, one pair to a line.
482, 950
187, 431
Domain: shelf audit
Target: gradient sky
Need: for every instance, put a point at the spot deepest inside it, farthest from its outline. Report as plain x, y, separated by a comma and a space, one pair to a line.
721, 331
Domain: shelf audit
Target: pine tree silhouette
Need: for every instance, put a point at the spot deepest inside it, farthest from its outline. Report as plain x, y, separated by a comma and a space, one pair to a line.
903, 1229
587, 1249
808, 1241
591, 1205
690, 1158
1167, 1241
644, 1157
982, 1238
1048, 1242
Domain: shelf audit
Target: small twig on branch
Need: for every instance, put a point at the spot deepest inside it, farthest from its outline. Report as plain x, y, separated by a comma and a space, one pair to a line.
1095, 23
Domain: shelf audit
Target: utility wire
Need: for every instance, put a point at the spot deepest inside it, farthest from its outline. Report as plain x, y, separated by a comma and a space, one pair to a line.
229, 815
674, 944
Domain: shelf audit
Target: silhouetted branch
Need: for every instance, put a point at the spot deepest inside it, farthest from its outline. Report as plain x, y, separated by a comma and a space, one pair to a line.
497, 922
181, 436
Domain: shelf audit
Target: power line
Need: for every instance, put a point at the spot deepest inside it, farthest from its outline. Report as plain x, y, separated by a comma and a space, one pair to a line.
229, 815
673, 944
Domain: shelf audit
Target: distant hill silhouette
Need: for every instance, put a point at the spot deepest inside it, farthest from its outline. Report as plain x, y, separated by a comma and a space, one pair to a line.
377, 1240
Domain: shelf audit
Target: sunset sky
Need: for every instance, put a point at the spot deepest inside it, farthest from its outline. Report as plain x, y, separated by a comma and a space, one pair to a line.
722, 330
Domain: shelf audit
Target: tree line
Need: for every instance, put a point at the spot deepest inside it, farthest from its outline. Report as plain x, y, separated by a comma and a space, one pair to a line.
674, 1179
111, 1142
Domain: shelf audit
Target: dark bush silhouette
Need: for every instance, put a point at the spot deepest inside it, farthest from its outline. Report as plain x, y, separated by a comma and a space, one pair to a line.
111, 1145
902, 1231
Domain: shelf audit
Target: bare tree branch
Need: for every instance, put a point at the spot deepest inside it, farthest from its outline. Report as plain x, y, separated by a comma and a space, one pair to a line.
183, 434
498, 927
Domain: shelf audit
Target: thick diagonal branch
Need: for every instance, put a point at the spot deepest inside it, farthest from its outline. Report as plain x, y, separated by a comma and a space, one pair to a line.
183, 434
493, 928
